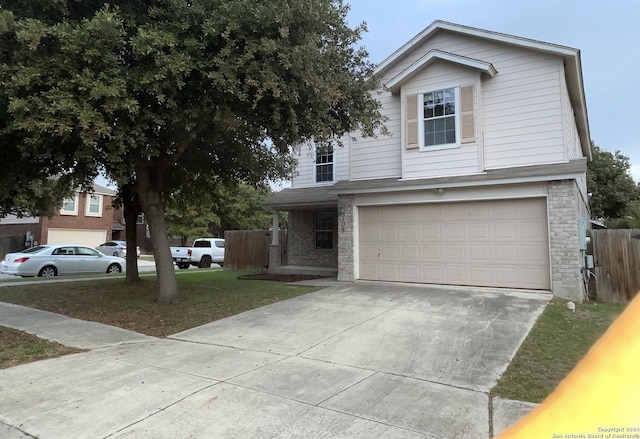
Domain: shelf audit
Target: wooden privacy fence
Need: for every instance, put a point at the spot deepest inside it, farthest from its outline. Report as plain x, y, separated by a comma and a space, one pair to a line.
249, 249
9, 244
617, 264
246, 249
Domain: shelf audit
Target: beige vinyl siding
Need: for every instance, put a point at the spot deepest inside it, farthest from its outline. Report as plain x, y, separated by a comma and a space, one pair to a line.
304, 175
436, 161
379, 157
572, 143
522, 108
533, 131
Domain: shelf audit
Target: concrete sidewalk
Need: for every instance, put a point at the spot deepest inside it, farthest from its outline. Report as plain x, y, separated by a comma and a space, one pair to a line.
362, 360
65, 330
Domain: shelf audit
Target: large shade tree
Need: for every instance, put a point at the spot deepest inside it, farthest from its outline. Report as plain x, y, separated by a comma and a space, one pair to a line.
611, 185
162, 93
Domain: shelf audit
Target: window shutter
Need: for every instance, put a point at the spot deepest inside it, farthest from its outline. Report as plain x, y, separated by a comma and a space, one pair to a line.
411, 125
467, 120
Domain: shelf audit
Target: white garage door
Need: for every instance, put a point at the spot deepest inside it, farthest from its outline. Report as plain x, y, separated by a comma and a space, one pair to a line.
502, 243
92, 238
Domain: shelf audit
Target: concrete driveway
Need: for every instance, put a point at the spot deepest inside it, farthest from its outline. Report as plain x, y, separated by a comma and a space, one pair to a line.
361, 360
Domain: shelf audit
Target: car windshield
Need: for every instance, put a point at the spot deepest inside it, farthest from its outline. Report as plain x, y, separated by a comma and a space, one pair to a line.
36, 249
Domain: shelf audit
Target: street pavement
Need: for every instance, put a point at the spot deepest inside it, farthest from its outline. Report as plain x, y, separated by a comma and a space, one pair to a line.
353, 360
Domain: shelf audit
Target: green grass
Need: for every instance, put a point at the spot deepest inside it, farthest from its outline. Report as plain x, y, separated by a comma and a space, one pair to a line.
18, 347
207, 295
558, 340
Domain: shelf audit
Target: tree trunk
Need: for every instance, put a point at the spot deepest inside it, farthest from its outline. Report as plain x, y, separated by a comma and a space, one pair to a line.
131, 211
149, 191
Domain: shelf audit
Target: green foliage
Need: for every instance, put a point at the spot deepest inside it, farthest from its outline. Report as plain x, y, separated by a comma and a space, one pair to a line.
210, 213
167, 94
611, 185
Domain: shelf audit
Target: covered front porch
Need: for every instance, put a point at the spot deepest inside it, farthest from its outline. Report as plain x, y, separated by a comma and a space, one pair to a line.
311, 243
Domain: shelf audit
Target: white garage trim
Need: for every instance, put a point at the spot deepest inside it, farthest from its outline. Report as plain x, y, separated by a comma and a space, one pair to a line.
493, 243
91, 238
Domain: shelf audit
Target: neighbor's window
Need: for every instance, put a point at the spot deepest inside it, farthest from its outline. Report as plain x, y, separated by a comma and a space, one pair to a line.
324, 164
140, 218
94, 205
323, 223
439, 117
70, 206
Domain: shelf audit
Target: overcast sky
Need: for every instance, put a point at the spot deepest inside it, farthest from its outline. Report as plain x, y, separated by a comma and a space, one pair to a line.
606, 32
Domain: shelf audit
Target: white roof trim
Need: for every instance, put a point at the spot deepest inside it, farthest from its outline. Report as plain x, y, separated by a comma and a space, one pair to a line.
433, 55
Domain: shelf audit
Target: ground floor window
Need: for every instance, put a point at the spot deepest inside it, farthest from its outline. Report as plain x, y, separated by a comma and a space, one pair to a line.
323, 224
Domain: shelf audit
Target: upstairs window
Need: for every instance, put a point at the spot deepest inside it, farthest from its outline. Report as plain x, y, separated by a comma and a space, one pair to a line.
439, 117
324, 164
70, 206
94, 205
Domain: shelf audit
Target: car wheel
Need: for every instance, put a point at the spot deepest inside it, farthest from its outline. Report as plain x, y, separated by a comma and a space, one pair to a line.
220, 264
48, 271
183, 265
205, 262
114, 269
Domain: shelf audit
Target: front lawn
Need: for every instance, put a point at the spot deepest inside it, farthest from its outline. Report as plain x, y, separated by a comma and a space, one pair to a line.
208, 295
558, 340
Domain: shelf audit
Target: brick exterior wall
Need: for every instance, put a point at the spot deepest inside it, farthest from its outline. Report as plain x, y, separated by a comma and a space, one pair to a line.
564, 207
80, 221
301, 242
346, 242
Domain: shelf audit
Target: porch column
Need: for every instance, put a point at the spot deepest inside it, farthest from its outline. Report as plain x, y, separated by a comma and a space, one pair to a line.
275, 235
275, 252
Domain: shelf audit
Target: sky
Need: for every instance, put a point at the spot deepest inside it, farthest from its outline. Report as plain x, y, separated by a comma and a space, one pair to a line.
606, 32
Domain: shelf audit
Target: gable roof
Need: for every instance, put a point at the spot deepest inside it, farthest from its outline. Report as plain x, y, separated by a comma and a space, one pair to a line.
434, 55
571, 57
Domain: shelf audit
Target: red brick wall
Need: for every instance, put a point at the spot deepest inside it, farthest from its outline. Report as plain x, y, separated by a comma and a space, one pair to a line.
81, 221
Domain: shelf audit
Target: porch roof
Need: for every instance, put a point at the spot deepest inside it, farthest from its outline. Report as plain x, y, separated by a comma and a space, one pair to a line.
302, 198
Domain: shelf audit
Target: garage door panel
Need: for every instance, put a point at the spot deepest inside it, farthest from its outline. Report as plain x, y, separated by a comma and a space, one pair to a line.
502, 243
91, 238
370, 233
432, 252
410, 232
480, 231
479, 275
410, 273
453, 231
505, 253
503, 230
411, 252
455, 274
478, 253
454, 252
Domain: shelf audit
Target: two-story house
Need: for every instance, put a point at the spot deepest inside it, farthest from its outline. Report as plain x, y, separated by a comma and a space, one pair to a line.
84, 218
482, 181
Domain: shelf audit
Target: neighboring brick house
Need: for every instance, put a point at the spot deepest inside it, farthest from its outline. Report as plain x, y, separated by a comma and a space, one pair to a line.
482, 181
85, 218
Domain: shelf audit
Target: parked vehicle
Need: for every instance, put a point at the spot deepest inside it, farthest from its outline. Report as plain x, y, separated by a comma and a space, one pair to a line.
201, 254
116, 248
54, 260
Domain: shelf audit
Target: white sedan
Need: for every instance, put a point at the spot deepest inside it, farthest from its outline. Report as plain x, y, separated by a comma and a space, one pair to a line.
116, 248
53, 260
